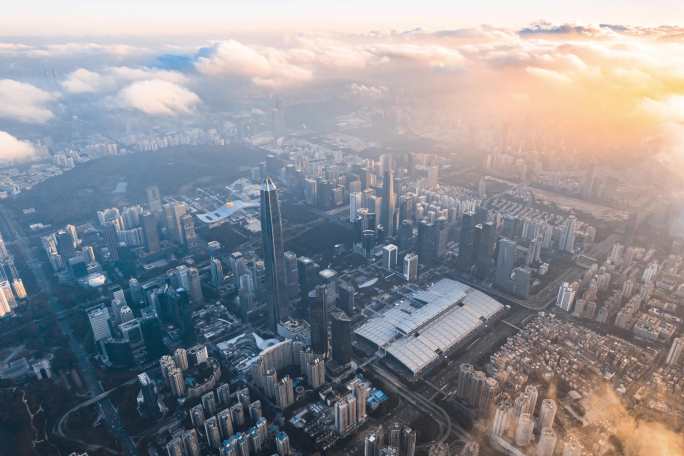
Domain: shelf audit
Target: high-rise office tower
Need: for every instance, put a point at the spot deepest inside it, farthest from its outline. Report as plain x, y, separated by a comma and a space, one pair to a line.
466, 243
341, 338
319, 319
388, 208
355, 203
368, 239
152, 333
427, 242
172, 215
151, 231
485, 250
99, 323
390, 255
154, 199
406, 234
149, 408
216, 272
195, 285
410, 267
291, 274
188, 228
308, 278
345, 297
272, 237
442, 236
505, 261
566, 296
109, 232
65, 243
567, 239
135, 290
521, 279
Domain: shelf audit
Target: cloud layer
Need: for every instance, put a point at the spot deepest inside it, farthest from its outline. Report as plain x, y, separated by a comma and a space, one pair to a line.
590, 88
157, 97
24, 102
13, 149
109, 79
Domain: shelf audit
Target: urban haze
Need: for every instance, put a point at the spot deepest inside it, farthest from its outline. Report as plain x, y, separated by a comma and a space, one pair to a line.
297, 227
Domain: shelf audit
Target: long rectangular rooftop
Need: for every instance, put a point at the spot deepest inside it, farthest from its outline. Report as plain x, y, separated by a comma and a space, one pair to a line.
417, 331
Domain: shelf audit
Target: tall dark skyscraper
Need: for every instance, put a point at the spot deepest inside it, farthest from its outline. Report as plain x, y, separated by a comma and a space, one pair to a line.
485, 250
427, 241
466, 244
318, 299
274, 260
388, 205
341, 338
154, 200
406, 235
505, 262
307, 271
345, 297
151, 231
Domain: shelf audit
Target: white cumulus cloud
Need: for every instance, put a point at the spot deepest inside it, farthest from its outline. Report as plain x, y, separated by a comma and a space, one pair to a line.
24, 102
157, 97
13, 149
265, 66
84, 81
111, 79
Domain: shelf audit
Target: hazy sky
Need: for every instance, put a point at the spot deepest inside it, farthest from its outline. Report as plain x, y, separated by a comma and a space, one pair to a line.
44, 17
545, 69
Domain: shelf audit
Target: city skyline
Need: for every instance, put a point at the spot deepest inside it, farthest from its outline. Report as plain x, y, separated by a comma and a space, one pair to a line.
295, 228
